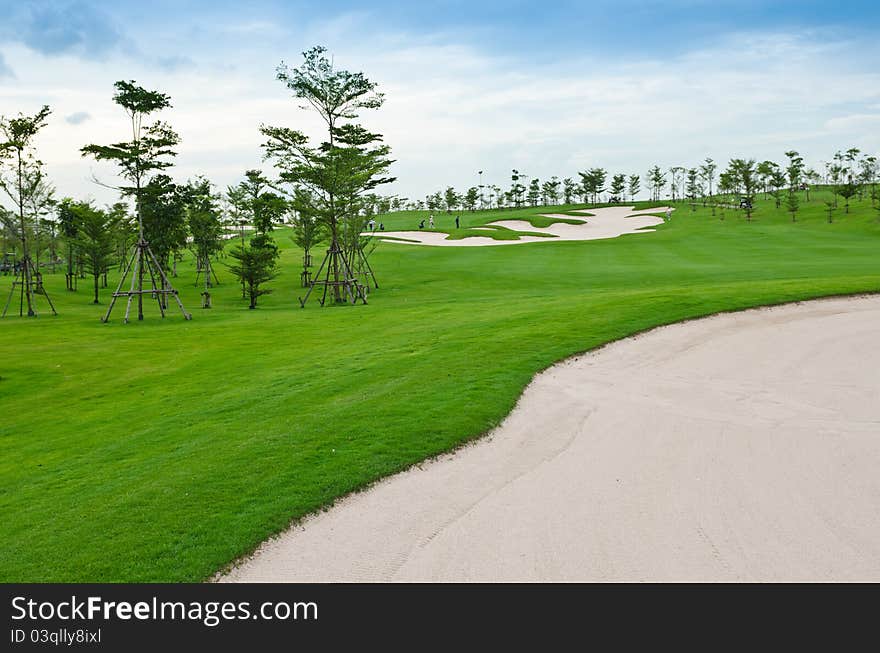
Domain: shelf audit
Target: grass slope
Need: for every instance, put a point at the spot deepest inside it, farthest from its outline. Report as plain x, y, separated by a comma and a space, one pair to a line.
162, 450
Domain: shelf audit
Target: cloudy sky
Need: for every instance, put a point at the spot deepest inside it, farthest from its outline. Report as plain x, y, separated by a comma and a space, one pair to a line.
548, 88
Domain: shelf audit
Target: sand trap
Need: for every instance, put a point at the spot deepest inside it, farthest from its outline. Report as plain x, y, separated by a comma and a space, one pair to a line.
609, 222
739, 447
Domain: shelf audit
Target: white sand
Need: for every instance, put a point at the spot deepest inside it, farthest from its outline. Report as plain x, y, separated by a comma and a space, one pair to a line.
739, 447
608, 222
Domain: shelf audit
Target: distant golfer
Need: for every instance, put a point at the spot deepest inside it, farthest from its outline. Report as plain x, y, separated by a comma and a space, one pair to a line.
456, 222
668, 214
431, 222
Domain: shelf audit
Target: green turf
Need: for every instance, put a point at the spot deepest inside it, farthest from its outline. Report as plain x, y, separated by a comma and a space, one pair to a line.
162, 450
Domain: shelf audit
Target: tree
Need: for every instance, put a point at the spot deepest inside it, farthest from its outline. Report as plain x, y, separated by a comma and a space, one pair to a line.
707, 172
694, 187
307, 232
794, 175
471, 198
22, 179
593, 182
634, 186
203, 218
163, 215
516, 188
568, 190
550, 190
339, 171
618, 186
848, 185
450, 199
256, 263
534, 195
764, 173
148, 153
68, 224
869, 171
656, 182
744, 174
677, 175
93, 241
777, 183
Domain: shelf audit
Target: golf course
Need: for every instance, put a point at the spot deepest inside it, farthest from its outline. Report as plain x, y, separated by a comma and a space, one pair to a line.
167, 449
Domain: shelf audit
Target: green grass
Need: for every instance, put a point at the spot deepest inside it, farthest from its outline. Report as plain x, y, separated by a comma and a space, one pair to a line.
163, 450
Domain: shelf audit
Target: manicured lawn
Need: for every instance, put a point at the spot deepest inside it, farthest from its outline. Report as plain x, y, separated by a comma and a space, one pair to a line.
163, 450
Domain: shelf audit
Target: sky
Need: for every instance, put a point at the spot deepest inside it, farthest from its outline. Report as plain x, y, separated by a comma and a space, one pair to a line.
547, 88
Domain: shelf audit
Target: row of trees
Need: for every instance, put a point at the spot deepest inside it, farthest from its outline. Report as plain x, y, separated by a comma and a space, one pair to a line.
848, 174
325, 190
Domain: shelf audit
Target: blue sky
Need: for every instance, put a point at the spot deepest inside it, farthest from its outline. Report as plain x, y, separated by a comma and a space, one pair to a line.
549, 88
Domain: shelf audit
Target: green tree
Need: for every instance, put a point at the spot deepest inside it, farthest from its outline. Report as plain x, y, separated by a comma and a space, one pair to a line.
634, 185
569, 188
676, 177
534, 194
550, 190
93, 241
794, 176
707, 172
163, 216
777, 183
256, 263
593, 182
744, 174
516, 188
339, 171
656, 182
141, 161
618, 186
68, 224
206, 228
22, 179
694, 186
471, 198
450, 199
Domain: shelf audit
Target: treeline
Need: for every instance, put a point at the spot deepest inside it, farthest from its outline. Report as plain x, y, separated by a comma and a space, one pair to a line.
850, 173
326, 191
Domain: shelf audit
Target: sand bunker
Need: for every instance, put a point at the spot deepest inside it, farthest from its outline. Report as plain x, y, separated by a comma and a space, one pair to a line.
739, 447
608, 222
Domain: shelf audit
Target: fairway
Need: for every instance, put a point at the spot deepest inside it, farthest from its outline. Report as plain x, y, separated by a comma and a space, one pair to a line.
164, 450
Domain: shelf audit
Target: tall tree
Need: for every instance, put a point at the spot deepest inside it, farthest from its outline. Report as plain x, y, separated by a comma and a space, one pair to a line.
634, 185
794, 176
656, 182
22, 179
516, 188
707, 172
206, 227
550, 190
568, 190
471, 198
147, 153
694, 186
744, 172
676, 177
534, 194
338, 172
450, 199
618, 186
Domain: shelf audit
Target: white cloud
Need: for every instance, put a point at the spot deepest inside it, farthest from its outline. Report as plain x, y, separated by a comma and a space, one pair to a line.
453, 109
